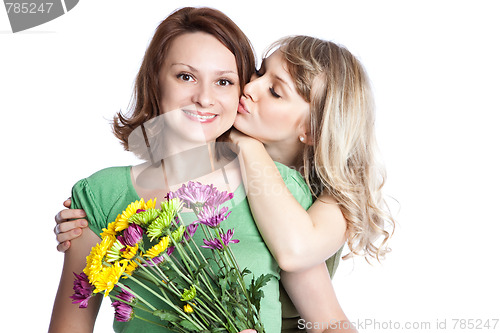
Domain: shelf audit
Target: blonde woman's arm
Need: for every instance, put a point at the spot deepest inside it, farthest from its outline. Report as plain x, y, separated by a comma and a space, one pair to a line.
68, 317
298, 239
312, 293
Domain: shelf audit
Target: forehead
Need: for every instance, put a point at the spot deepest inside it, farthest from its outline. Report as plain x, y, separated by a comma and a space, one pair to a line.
200, 48
276, 62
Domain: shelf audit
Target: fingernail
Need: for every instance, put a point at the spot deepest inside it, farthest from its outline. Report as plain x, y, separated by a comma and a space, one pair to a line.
82, 213
83, 223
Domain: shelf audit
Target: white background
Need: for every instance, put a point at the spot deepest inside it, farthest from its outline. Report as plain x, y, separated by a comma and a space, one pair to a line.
435, 71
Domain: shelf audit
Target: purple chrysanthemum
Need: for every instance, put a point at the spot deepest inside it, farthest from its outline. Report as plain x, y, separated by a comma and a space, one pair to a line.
226, 238
154, 261
218, 198
83, 290
170, 195
190, 230
132, 235
123, 312
169, 251
213, 244
195, 193
126, 296
212, 216
216, 244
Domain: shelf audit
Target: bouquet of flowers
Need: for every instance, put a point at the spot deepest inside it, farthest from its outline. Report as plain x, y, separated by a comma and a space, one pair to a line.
202, 291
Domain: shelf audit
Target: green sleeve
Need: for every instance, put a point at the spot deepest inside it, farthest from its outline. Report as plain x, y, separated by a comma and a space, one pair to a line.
83, 198
296, 185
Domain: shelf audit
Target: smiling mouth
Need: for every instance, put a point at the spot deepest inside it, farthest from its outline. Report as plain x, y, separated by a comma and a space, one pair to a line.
199, 116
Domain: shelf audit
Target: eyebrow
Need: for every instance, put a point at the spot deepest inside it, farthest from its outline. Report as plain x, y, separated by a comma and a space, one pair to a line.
277, 77
222, 72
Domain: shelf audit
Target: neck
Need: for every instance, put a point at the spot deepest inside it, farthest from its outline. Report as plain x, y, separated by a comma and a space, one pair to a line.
289, 154
190, 164
175, 164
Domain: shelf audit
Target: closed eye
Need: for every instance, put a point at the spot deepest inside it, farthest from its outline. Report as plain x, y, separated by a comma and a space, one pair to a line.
273, 93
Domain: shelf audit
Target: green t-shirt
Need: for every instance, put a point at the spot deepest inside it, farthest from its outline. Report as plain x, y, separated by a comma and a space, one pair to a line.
106, 193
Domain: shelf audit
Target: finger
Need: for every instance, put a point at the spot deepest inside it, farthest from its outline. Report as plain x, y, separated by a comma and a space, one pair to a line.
68, 214
67, 203
70, 225
69, 235
62, 247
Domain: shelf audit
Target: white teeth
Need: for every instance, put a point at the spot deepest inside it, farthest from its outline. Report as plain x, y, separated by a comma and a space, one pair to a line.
198, 116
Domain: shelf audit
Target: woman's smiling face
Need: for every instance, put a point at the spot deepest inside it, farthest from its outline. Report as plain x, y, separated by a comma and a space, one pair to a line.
199, 87
271, 110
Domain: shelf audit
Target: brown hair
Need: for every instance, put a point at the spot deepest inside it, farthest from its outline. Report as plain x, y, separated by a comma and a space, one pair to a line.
145, 103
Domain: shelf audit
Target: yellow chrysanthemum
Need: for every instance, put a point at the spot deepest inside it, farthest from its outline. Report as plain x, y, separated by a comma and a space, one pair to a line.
130, 251
131, 266
122, 219
108, 277
96, 256
188, 308
110, 230
158, 248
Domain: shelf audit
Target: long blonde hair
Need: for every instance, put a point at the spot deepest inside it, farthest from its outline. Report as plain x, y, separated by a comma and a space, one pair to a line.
343, 158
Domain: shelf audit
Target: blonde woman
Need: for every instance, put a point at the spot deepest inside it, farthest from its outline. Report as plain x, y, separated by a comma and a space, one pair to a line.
330, 140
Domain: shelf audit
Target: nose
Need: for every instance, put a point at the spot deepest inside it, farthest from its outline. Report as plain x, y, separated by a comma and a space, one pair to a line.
251, 88
203, 95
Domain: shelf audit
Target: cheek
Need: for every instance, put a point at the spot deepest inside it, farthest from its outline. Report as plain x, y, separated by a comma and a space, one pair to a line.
276, 120
230, 102
169, 97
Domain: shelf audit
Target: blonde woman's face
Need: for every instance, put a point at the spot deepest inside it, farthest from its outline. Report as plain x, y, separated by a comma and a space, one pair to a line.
199, 87
271, 110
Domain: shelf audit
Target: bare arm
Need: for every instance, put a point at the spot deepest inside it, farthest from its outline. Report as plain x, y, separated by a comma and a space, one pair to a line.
312, 293
67, 317
285, 229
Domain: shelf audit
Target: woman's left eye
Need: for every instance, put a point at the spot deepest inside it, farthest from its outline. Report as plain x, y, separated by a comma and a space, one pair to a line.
273, 92
224, 82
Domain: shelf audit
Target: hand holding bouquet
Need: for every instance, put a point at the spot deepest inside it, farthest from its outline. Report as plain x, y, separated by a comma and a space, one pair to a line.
201, 290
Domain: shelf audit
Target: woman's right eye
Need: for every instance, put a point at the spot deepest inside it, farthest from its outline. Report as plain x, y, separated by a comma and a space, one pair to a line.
185, 77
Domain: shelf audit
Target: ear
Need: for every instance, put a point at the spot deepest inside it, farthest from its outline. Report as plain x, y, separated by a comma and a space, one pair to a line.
306, 138
304, 131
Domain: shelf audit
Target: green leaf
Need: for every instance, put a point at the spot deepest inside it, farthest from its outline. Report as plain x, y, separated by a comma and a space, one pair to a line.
262, 280
223, 284
166, 315
255, 291
232, 276
187, 324
199, 269
246, 271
